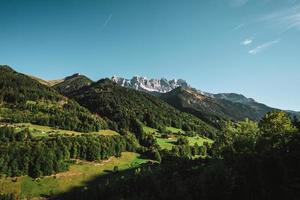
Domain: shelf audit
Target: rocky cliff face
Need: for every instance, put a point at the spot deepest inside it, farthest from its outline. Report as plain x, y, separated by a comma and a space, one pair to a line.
150, 85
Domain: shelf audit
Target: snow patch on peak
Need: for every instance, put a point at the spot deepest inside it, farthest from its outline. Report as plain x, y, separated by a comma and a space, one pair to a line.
150, 85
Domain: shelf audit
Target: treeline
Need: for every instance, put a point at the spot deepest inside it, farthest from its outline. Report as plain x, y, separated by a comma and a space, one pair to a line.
120, 105
21, 154
23, 99
249, 161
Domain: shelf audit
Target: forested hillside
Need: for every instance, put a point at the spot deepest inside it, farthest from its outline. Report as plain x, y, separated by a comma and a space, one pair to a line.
72, 83
23, 99
122, 106
212, 110
22, 154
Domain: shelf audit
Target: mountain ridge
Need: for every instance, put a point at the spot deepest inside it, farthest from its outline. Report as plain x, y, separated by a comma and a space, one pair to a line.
233, 100
150, 85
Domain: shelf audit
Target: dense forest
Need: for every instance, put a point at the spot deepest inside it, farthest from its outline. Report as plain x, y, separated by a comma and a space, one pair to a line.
22, 154
249, 161
23, 99
122, 105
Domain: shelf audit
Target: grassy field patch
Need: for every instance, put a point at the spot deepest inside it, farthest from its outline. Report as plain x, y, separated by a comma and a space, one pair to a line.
149, 130
175, 130
44, 131
199, 140
78, 174
166, 143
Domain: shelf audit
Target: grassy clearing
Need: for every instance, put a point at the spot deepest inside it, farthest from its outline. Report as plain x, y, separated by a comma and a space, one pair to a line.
77, 175
175, 130
107, 132
199, 140
168, 143
149, 130
44, 131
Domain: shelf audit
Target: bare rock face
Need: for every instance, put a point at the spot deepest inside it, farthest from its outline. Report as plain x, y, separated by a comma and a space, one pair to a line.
150, 85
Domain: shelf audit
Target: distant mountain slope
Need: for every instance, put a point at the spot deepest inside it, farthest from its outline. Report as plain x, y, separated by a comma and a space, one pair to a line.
212, 107
23, 99
209, 109
72, 83
207, 106
260, 108
236, 98
122, 105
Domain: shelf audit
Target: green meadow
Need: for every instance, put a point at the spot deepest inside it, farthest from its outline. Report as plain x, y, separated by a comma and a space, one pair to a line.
77, 175
168, 143
44, 131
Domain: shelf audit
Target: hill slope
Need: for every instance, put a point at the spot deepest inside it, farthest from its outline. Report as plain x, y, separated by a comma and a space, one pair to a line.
210, 109
23, 99
123, 105
72, 83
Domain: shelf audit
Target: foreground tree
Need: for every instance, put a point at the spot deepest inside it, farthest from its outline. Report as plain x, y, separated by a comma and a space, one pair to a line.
276, 123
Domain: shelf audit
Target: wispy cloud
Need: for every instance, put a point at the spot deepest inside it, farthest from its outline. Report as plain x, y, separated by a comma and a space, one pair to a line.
238, 27
263, 47
285, 20
107, 21
247, 41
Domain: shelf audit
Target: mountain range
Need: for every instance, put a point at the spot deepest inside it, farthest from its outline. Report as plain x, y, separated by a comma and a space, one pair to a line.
211, 108
207, 106
150, 85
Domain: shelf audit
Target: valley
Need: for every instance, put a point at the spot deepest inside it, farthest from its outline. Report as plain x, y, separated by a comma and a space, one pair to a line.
149, 100
84, 139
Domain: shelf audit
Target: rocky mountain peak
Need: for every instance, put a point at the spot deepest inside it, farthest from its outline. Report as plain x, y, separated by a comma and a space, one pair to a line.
150, 85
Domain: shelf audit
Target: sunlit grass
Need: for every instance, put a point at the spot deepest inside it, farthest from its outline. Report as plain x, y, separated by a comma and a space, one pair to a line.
149, 130
199, 140
166, 143
43, 131
174, 130
77, 175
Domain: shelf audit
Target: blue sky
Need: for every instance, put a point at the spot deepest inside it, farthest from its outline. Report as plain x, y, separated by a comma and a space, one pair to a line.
244, 46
